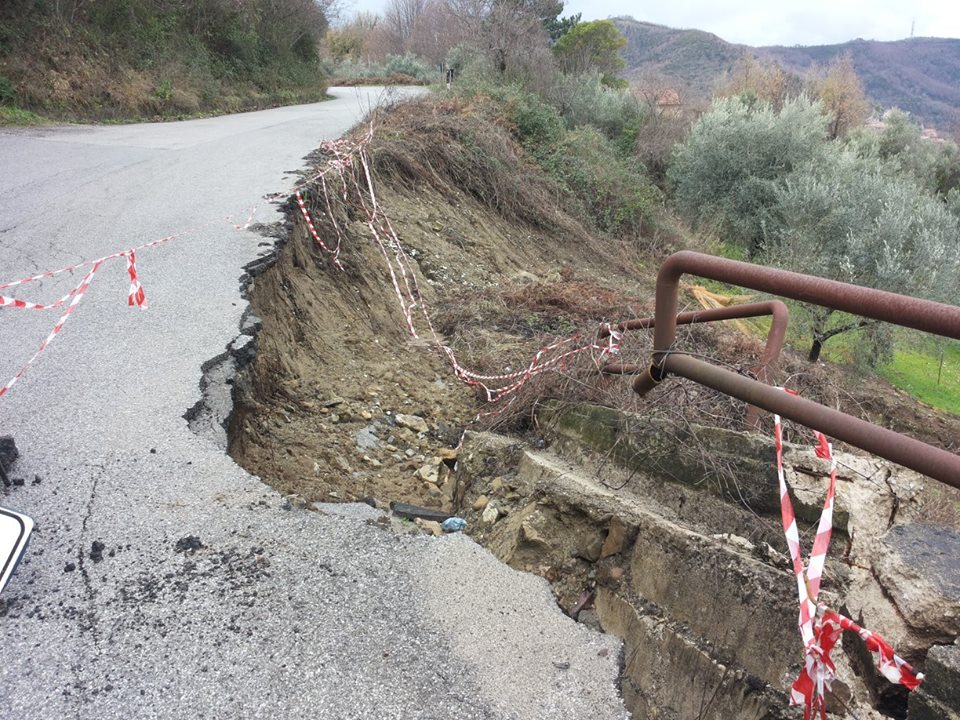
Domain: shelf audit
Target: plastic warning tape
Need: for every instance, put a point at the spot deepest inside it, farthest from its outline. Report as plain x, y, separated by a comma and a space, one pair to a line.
820, 626
351, 163
76, 296
136, 297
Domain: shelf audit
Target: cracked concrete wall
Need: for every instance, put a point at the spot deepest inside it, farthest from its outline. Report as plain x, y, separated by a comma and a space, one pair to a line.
693, 575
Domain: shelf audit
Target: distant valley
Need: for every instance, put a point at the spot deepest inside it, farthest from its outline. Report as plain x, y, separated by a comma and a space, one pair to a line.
920, 75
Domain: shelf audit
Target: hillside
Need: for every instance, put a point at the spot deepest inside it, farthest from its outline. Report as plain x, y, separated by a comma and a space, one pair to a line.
920, 75
121, 60
693, 58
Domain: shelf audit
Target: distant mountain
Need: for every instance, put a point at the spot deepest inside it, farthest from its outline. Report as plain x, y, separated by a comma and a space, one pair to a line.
694, 59
920, 75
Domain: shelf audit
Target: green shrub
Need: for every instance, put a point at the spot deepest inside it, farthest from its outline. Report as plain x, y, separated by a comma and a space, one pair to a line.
614, 191
7, 93
538, 125
585, 100
727, 172
163, 91
409, 64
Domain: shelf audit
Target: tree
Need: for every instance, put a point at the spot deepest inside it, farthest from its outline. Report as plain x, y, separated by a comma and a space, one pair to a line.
666, 120
841, 92
727, 172
435, 33
591, 47
509, 32
350, 42
861, 221
754, 80
557, 27
399, 20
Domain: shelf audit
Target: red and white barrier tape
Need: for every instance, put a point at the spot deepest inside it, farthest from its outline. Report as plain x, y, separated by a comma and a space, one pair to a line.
77, 295
820, 627
135, 297
404, 280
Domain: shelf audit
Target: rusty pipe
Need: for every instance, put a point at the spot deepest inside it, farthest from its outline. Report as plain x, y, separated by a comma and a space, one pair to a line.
926, 315
914, 454
775, 338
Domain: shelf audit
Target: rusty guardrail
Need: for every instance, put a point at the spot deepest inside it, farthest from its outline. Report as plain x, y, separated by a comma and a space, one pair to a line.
764, 370
936, 318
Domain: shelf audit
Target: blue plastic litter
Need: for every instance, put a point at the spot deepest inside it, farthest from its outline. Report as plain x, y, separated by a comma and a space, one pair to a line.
454, 524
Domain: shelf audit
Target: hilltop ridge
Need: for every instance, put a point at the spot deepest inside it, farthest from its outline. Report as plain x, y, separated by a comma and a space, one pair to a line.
920, 75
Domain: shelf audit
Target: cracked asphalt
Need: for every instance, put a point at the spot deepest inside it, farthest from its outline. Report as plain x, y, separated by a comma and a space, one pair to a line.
163, 581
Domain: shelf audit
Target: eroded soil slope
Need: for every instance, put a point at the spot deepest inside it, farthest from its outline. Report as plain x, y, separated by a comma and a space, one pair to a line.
342, 402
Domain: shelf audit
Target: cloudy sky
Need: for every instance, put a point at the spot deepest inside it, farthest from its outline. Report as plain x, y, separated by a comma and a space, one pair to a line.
789, 22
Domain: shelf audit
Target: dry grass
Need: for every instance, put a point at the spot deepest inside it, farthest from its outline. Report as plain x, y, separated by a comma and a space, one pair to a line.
457, 145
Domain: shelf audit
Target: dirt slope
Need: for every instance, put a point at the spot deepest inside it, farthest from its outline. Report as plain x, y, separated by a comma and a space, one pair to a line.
503, 272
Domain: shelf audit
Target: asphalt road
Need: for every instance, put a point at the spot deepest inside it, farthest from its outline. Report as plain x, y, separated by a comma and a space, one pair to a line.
279, 613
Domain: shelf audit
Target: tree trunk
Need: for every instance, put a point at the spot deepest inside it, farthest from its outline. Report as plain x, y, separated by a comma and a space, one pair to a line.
815, 349
820, 320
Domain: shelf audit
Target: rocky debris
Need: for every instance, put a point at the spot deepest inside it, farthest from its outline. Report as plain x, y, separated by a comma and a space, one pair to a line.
243, 349
366, 438
251, 324
8, 455
412, 422
8, 452
430, 473
96, 551
938, 698
430, 526
919, 567
188, 544
910, 590
413, 512
695, 589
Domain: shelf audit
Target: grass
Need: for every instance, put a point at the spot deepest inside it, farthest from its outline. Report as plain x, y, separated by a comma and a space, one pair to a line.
915, 369
17, 117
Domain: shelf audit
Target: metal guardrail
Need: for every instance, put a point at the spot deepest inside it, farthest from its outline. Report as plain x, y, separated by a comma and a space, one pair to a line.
936, 318
765, 370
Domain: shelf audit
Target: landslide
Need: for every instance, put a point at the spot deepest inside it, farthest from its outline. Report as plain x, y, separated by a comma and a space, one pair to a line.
342, 403
503, 269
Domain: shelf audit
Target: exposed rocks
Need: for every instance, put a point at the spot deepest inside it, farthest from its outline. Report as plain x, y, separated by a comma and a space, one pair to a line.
692, 577
188, 544
8, 451
430, 473
366, 438
412, 422
939, 696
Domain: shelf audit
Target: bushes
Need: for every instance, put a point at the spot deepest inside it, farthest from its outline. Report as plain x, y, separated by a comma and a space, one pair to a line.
614, 191
123, 58
7, 93
394, 66
728, 171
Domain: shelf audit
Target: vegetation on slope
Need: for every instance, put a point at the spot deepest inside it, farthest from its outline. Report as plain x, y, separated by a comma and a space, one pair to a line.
119, 59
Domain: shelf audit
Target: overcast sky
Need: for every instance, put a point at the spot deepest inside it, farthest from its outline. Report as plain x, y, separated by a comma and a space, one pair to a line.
768, 22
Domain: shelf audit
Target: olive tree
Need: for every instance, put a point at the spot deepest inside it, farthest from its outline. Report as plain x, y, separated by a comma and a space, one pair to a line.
861, 221
728, 171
